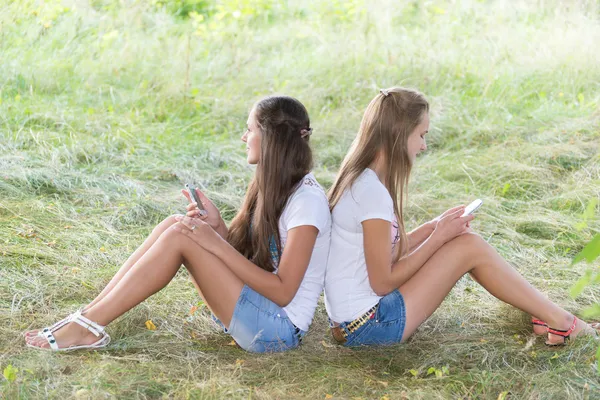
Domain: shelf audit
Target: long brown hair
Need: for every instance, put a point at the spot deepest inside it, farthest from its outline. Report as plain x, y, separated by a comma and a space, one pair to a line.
285, 158
387, 123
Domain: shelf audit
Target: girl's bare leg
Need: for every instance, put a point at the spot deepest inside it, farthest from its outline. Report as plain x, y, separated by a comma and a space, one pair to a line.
220, 287
133, 258
425, 291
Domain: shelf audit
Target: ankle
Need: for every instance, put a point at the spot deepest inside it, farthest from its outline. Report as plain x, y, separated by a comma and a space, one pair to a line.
562, 322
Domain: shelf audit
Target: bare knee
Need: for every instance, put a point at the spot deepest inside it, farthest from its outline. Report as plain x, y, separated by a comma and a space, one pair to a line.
469, 242
471, 246
166, 223
172, 219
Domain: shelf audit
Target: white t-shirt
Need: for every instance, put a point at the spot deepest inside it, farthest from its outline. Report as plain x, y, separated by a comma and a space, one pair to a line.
348, 292
308, 205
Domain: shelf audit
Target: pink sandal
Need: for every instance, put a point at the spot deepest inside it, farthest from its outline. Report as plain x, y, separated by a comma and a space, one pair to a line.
566, 335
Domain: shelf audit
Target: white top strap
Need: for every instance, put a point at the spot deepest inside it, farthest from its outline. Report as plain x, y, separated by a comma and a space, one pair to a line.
87, 324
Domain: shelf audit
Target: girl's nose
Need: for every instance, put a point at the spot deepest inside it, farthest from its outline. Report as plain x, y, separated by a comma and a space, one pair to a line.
245, 137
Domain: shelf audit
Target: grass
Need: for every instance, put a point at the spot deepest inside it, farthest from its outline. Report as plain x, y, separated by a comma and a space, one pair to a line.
107, 108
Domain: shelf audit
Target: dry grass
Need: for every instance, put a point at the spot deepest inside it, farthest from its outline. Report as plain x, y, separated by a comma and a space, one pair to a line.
101, 122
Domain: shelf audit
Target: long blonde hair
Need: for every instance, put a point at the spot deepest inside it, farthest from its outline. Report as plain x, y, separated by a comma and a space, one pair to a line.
386, 125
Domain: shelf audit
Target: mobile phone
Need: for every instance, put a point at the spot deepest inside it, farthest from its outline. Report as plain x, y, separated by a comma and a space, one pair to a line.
193, 195
471, 208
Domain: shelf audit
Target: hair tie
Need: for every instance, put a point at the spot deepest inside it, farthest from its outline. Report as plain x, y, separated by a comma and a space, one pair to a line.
305, 132
384, 92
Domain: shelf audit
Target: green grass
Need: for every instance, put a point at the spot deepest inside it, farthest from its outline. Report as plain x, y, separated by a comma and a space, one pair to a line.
107, 108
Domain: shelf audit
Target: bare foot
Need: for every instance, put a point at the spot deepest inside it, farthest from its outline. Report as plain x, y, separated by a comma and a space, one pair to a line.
69, 335
539, 327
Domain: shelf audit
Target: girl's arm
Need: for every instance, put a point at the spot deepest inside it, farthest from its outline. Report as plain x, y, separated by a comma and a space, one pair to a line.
384, 276
280, 288
417, 236
222, 229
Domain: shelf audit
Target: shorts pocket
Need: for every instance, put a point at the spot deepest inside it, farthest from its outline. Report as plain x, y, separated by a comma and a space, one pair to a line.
355, 338
377, 334
391, 309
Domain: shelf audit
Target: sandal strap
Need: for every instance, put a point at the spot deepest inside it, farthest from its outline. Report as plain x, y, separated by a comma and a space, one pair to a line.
50, 338
562, 333
538, 322
88, 324
55, 327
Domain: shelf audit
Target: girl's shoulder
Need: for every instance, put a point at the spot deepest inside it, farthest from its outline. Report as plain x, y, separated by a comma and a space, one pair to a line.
308, 205
309, 190
368, 185
309, 182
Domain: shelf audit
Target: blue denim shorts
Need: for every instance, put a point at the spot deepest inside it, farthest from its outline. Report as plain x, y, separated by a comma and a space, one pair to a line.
260, 326
386, 326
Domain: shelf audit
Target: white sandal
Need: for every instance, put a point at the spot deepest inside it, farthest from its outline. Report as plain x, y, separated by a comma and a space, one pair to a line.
78, 318
62, 322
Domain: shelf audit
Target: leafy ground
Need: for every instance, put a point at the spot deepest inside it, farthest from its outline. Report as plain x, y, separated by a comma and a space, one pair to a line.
107, 107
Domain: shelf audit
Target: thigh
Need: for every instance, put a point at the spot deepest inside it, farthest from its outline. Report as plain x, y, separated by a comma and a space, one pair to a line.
425, 291
217, 284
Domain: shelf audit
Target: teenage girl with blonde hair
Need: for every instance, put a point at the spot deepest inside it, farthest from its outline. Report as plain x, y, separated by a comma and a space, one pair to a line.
379, 287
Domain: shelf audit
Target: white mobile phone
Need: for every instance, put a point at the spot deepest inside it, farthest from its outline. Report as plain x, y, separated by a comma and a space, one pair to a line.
471, 208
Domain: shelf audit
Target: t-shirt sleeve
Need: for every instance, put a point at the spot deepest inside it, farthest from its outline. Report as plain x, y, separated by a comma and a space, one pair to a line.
374, 202
307, 207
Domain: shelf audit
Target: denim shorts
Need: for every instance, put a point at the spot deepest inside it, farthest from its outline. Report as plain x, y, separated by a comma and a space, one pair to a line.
260, 326
385, 327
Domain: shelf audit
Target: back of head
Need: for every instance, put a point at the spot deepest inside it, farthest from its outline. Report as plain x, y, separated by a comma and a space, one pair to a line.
386, 125
285, 158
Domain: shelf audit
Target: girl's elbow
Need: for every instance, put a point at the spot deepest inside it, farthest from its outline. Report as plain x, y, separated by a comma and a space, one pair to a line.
381, 289
283, 301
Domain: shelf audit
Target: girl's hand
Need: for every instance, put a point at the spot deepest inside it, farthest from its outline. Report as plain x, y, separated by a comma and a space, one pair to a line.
452, 225
437, 219
210, 215
199, 231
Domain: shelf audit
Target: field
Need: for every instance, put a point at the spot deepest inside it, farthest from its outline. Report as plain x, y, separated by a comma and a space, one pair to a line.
108, 107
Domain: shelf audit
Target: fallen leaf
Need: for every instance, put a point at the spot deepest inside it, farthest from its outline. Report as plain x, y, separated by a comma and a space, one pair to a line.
150, 325
328, 396
232, 343
239, 362
102, 249
193, 310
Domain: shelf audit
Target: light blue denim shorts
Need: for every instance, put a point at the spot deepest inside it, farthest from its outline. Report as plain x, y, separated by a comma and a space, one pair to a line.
385, 327
260, 326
